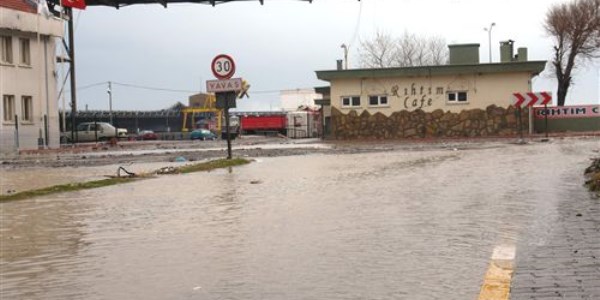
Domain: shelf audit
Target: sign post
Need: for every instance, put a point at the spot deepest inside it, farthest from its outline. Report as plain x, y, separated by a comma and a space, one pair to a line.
225, 89
225, 101
529, 100
546, 120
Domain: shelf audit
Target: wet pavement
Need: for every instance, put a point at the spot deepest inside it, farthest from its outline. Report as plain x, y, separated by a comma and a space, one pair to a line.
396, 224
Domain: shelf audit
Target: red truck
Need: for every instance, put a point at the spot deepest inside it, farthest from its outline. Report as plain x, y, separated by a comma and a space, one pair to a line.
265, 124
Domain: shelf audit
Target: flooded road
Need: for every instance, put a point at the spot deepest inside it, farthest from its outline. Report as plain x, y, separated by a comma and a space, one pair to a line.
392, 225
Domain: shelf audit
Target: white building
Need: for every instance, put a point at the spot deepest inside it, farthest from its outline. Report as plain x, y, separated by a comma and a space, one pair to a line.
28, 80
291, 100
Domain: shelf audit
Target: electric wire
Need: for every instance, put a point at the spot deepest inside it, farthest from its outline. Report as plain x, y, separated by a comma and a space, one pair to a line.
163, 89
152, 88
357, 26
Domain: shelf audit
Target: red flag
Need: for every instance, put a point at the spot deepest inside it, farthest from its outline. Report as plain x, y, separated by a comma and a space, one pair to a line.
74, 3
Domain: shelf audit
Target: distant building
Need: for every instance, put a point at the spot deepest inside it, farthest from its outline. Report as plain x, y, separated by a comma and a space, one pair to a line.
28, 82
291, 100
463, 84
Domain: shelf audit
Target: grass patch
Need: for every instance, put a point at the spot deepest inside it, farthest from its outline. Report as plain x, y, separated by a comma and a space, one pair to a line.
71, 187
214, 164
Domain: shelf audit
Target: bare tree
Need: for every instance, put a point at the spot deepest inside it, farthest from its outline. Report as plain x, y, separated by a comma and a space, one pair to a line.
377, 53
575, 27
438, 50
408, 53
409, 50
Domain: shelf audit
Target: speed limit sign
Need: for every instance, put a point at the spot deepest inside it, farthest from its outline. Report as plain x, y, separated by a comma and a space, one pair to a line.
223, 66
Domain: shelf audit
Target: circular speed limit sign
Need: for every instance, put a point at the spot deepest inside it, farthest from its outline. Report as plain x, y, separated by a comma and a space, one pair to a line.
223, 66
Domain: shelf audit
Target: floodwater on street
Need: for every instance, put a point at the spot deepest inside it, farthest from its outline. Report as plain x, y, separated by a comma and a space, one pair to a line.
390, 225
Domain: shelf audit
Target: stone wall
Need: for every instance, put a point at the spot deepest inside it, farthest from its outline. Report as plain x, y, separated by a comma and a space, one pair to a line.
493, 121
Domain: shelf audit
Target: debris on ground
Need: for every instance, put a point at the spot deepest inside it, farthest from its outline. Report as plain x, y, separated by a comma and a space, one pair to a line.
592, 176
167, 170
129, 174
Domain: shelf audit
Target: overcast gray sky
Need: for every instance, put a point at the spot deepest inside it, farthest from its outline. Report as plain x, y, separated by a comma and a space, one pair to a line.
279, 45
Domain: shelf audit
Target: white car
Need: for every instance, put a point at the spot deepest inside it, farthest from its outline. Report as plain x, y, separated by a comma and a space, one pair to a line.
96, 131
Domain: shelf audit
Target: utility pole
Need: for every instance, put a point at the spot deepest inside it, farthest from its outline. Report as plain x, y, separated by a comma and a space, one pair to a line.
71, 50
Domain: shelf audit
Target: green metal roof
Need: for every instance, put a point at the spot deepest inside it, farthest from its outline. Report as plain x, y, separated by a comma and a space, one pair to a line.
325, 90
533, 67
325, 102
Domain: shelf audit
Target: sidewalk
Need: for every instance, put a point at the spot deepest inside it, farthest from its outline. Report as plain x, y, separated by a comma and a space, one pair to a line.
567, 264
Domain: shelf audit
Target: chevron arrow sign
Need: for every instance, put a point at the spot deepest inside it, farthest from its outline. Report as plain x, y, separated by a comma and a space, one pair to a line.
531, 99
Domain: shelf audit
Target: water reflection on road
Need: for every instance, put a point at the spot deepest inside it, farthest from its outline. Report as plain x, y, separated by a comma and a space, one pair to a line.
396, 225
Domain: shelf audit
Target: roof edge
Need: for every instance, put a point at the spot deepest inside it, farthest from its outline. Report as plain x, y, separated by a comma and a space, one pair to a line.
533, 67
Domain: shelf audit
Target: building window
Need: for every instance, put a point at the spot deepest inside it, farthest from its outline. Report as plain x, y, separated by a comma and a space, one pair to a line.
26, 109
378, 101
25, 52
8, 108
6, 49
351, 101
457, 97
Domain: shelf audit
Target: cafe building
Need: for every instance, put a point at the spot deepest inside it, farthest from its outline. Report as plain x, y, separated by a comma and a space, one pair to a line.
433, 99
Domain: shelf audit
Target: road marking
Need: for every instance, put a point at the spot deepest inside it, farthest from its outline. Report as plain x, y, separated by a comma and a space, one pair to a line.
496, 284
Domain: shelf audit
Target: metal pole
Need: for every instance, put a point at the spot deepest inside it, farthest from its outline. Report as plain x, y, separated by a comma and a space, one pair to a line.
546, 119
47, 134
95, 129
46, 121
227, 126
307, 124
345, 56
520, 124
110, 114
72, 71
489, 30
490, 44
116, 130
322, 121
17, 132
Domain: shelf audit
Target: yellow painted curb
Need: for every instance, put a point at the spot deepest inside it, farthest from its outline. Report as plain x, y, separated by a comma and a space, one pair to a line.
496, 284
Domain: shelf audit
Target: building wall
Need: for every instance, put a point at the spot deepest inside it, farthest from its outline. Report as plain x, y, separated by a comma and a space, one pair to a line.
567, 119
493, 121
429, 93
37, 80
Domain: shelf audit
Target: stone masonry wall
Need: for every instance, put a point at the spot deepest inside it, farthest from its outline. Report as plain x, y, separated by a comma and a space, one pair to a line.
493, 121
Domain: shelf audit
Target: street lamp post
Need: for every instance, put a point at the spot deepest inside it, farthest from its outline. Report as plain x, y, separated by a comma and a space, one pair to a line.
345, 47
489, 31
109, 91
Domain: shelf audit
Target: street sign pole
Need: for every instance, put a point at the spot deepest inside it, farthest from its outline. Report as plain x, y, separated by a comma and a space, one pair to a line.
529, 100
546, 119
227, 128
225, 88
520, 124
226, 100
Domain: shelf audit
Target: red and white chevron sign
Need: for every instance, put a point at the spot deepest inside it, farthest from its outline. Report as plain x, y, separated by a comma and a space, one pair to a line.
531, 99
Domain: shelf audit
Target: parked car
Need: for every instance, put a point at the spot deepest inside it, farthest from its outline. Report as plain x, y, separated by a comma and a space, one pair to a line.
202, 134
96, 131
146, 135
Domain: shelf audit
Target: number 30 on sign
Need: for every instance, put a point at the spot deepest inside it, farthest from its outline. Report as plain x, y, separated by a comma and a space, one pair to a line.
223, 66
